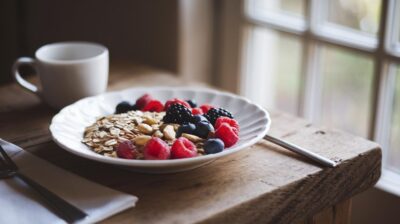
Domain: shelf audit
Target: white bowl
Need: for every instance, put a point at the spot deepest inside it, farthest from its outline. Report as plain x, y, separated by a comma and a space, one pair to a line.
68, 125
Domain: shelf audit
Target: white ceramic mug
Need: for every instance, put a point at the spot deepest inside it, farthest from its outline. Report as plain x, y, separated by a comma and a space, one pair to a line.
68, 71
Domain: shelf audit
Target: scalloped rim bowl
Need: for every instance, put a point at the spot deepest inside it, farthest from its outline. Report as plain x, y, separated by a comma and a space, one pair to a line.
68, 125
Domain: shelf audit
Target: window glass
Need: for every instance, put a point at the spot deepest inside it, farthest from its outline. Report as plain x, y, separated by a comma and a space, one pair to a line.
393, 161
273, 68
346, 90
290, 7
362, 15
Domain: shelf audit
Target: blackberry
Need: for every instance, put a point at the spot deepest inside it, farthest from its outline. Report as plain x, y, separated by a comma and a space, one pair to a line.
213, 114
177, 113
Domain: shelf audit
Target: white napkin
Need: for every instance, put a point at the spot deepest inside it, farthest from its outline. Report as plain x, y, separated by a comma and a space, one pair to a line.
20, 204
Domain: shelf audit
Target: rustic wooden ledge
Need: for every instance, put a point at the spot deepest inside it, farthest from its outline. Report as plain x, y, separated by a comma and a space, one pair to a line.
263, 184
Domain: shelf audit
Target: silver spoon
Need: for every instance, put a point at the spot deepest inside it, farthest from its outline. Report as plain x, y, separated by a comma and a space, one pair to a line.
302, 151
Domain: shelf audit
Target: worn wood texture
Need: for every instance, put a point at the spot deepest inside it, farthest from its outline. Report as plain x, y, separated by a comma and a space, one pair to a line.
337, 214
262, 184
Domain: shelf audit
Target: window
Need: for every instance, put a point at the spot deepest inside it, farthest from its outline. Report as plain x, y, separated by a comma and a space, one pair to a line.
335, 62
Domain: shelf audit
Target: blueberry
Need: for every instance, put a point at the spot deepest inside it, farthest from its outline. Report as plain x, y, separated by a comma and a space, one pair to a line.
123, 107
203, 128
213, 145
188, 128
197, 118
192, 103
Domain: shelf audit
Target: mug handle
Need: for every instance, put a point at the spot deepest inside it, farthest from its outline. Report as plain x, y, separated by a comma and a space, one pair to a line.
17, 76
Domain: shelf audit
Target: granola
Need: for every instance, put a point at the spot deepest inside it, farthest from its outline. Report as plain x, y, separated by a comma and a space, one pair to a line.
152, 130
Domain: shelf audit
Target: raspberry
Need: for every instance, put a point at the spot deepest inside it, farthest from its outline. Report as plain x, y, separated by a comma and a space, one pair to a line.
143, 101
183, 148
174, 101
227, 134
177, 113
226, 120
156, 149
154, 106
213, 114
197, 111
205, 108
126, 150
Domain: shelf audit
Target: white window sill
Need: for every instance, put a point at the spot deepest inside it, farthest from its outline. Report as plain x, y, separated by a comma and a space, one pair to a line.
389, 182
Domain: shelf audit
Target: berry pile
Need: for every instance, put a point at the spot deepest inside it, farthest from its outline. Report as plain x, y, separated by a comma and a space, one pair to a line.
178, 113
194, 130
214, 113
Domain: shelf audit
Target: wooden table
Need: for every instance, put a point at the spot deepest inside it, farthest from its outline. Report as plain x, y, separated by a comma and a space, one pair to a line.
263, 184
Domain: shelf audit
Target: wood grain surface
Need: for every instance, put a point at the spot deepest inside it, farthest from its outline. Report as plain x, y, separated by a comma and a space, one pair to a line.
262, 184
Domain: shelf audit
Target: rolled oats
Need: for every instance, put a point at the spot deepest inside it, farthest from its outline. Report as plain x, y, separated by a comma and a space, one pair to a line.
110, 142
136, 126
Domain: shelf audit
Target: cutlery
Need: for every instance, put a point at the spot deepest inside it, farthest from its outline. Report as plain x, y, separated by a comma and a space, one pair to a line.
302, 151
59, 206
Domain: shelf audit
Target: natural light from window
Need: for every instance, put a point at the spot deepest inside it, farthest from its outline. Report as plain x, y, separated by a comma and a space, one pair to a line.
331, 62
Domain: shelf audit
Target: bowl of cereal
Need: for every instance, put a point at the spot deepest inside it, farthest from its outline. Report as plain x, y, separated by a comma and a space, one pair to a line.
159, 129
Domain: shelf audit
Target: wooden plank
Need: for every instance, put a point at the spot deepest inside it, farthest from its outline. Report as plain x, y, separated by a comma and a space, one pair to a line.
342, 212
262, 184
278, 187
337, 214
324, 217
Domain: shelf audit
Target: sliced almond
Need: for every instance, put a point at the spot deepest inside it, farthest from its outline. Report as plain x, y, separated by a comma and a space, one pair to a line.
145, 128
169, 132
192, 138
158, 134
142, 140
149, 120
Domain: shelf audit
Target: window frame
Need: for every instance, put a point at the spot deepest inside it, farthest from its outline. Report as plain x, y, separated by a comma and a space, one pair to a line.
384, 52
